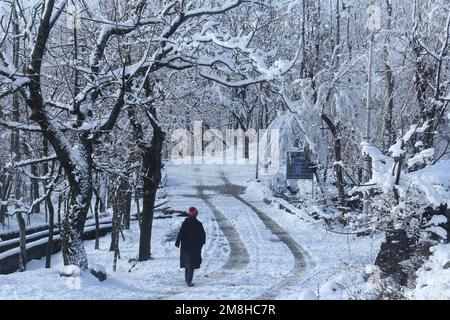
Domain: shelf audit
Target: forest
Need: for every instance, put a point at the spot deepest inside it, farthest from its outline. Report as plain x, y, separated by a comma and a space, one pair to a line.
98, 98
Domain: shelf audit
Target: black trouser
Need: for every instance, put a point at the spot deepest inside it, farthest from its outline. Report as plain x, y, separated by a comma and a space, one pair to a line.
188, 274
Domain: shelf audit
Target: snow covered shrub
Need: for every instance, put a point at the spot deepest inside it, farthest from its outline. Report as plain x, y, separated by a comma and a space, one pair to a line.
378, 287
405, 188
433, 278
408, 195
278, 184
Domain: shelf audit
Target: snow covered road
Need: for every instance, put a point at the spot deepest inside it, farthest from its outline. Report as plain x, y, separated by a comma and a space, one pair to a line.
238, 256
303, 260
261, 255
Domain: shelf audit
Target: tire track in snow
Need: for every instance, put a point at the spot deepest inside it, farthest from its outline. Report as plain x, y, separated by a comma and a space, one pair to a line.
303, 260
239, 257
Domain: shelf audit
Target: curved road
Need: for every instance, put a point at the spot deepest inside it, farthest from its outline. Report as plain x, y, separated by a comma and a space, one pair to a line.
303, 260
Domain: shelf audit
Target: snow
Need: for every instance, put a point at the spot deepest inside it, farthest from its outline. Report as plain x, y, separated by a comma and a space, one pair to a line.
434, 182
212, 10
13, 124
330, 288
338, 257
307, 294
335, 266
438, 219
252, 44
433, 282
70, 271
396, 150
97, 268
421, 157
256, 191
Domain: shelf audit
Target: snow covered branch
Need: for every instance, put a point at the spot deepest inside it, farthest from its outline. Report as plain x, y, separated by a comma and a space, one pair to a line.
20, 126
227, 6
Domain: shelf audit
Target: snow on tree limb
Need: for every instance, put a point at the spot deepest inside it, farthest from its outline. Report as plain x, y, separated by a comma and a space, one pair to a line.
227, 6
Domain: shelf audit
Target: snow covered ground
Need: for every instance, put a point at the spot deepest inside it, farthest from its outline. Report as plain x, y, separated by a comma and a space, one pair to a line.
243, 257
433, 281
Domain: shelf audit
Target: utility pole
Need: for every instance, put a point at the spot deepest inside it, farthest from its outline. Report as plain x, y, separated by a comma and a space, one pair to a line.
374, 24
367, 133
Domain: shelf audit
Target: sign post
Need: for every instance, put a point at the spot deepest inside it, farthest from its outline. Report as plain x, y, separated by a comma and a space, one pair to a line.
298, 166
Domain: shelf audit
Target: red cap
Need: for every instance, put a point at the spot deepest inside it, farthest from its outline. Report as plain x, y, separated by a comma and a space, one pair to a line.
192, 212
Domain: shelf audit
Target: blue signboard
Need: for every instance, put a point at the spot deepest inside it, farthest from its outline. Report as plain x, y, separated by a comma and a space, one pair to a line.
298, 166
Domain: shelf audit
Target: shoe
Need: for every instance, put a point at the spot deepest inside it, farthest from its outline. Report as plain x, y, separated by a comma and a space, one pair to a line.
190, 284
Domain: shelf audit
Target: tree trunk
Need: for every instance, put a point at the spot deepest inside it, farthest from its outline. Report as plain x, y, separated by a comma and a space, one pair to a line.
316, 54
5, 192
127, 208
119, 207
151, 173
148, 201
303, 43
51, 218
338, 33
35, 189
338, 170
97, 222
80, 200
22, 229
60, 203
66, 203
337, 157
151, 166
20, 221
103, 190
15, 134
23, 242
3, 212
137, 198
78, 169
388, 129
15, 149
73, 224
116, 252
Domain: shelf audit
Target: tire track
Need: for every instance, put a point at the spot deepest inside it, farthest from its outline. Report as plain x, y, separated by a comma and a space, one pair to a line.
303, 260
239, 257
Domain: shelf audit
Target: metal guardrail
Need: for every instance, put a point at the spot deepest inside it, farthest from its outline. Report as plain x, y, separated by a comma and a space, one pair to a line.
9, 260
37, 239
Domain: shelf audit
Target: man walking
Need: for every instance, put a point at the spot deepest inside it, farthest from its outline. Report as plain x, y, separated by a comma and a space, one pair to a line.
192, 238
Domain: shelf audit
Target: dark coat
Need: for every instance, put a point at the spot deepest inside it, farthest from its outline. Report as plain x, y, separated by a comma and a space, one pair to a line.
192, 238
